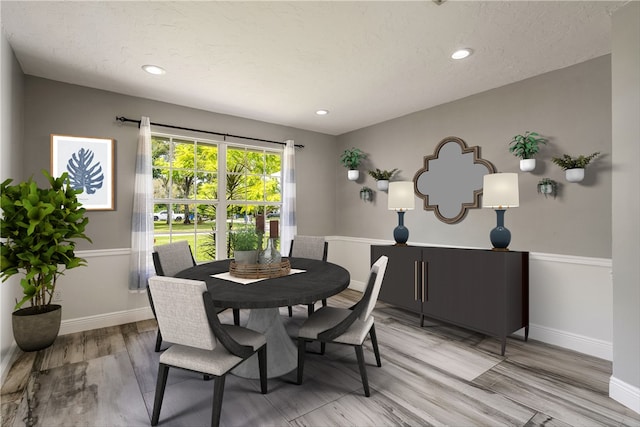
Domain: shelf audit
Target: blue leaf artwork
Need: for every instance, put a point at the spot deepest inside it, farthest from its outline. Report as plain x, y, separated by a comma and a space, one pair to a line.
83, 174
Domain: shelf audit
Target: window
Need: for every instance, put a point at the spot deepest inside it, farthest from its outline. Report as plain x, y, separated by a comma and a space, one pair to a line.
195, 201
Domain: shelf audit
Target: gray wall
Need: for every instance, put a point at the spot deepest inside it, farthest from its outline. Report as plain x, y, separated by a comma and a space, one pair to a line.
60, 108
626, 194
570, 106
11, 125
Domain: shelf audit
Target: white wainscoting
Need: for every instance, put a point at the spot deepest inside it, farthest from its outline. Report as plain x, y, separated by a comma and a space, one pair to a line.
570, 298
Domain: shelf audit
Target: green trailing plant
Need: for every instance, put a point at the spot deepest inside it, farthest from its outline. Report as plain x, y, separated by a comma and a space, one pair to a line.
569, 162
39, 227
548, 182
382, 174
245, 240
526, 146
351, 158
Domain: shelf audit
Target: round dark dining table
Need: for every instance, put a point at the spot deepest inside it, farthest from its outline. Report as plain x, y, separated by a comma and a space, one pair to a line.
318, 280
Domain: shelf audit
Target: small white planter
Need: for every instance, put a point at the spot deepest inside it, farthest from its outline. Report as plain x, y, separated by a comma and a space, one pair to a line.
353, 174
383, 184
527, 165
574, 175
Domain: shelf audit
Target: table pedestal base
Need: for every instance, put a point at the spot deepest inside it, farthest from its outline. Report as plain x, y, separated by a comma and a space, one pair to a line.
282, 354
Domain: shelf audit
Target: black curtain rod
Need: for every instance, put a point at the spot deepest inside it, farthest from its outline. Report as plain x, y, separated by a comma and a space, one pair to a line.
124, 119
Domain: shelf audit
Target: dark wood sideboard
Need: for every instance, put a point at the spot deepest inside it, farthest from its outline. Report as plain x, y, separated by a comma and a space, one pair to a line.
481, 290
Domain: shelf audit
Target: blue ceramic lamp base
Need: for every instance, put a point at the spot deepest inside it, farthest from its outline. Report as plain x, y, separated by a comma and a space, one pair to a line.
500, 236
401, 233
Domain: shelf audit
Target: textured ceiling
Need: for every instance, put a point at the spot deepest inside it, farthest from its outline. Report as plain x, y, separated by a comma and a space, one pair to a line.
366, 62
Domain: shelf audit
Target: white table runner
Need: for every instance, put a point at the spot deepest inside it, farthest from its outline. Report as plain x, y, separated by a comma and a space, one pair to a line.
242, 281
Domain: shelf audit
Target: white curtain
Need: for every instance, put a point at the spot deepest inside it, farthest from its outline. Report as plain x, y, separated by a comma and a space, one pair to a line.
141, 263
288, 212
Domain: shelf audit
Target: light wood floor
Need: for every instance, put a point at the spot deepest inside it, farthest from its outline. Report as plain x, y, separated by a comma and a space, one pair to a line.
435, 375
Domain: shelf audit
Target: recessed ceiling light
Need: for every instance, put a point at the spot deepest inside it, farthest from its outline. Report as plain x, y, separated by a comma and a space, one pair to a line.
461, 54
322, 112
153, 69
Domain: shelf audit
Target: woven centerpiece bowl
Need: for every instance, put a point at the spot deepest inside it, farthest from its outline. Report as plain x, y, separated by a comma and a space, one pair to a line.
260, 271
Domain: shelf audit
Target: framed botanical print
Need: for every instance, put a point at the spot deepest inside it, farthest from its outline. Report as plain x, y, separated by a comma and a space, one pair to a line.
90, 165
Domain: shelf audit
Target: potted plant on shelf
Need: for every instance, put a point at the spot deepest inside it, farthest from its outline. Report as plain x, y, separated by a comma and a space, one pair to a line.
548, 186
574, 166
525, 147
245, 246
39, 228
351, 159
382, 177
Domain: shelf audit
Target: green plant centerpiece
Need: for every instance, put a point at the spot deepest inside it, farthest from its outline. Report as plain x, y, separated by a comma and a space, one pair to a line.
574, 166
548, 186
526, 147
351, 159
245, 246
39, 228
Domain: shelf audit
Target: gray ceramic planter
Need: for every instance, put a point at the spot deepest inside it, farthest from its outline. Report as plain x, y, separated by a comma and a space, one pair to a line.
35, 329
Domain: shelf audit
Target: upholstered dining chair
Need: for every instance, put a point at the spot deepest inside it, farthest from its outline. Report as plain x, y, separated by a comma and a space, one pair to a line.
168, 260
348, 326
312, 247
188, 319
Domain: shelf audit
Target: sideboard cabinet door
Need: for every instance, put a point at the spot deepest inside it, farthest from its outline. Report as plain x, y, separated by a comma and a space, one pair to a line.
402, 284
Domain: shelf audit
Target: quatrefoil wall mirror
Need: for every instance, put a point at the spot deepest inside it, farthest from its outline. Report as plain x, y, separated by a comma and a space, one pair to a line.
450, 182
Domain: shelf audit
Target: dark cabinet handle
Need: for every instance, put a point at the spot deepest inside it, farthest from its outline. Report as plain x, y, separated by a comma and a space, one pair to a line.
425, 281
415, 280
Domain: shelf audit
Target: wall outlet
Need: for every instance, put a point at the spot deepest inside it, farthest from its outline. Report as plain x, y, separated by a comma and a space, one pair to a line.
57, 296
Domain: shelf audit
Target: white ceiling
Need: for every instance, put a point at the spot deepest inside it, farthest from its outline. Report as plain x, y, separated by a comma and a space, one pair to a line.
366, 62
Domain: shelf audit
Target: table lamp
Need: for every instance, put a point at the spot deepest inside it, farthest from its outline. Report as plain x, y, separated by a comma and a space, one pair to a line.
499, 192
401, 199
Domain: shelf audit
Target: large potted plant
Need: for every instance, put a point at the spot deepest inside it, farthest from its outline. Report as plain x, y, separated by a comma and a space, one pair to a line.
245, 246
351, 159
525, 147
382, 177
39, 228
574, 166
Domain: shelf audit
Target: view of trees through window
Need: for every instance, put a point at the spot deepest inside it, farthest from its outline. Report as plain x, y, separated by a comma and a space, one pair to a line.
204, 190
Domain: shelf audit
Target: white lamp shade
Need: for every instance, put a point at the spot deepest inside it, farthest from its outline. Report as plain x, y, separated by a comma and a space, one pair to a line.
401, 196
500, 191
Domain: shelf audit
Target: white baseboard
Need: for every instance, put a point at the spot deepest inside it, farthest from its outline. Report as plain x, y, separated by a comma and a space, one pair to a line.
625, 393
579, 343
357, 285
105, 320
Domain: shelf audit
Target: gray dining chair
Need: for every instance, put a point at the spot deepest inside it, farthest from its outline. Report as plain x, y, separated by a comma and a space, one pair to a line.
312, 247
199, 342
169, 260
349, 326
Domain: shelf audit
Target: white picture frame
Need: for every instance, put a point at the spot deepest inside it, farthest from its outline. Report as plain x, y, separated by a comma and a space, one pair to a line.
90, 165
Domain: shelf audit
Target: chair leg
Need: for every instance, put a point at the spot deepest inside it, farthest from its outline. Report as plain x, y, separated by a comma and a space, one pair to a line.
158, 341
310, 309
301, 350
236, 316
363, 370
324, 302
163, 373
374, 344
323, 347
290, 311
218, 393
262, 366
